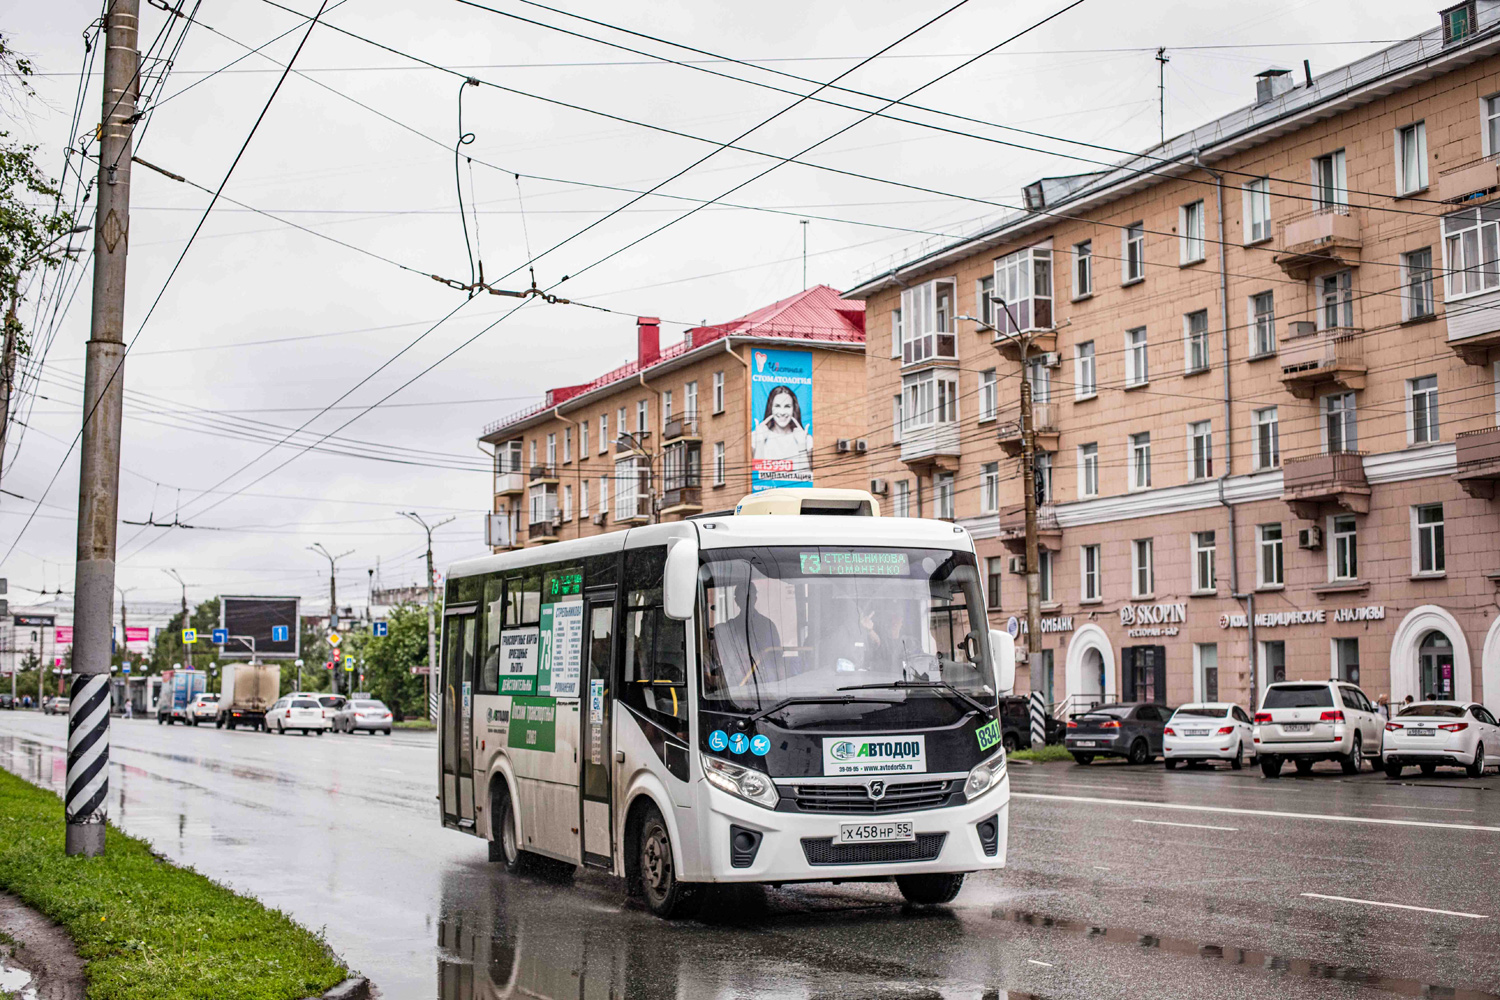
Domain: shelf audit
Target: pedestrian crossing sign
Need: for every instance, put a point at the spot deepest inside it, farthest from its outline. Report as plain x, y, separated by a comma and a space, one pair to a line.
189, 636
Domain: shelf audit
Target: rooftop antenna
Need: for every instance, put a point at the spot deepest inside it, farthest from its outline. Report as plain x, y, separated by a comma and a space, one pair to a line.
1161, 90
804, 255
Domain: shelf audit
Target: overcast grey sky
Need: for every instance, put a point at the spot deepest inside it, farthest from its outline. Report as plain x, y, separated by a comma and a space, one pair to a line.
207, 394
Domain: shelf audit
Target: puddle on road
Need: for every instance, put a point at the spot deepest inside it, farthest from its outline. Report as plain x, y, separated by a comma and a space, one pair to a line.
1247, 957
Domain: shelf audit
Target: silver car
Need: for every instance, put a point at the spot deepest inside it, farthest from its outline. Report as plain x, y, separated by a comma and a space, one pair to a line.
363, 716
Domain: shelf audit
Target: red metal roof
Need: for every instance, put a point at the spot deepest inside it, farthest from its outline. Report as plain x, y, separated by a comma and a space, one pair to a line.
815, 314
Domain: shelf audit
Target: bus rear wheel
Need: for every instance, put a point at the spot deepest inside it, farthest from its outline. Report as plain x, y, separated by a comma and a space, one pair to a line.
665, 894
930, 889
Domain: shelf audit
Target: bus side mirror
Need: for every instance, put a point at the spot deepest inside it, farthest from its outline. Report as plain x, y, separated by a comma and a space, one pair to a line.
680, 579
1003, 649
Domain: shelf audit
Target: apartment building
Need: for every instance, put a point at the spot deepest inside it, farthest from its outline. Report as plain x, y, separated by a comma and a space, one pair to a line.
774, 398
1265, 359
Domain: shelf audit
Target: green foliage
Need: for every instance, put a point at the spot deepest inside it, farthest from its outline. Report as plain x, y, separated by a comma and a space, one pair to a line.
387, 662
148, 929
1045, 755
169, 650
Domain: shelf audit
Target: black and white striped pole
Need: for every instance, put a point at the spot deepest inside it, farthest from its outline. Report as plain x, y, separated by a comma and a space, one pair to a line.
1038, 721
87, 795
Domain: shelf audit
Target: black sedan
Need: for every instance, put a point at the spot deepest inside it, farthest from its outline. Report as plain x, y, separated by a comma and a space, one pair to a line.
1132, 730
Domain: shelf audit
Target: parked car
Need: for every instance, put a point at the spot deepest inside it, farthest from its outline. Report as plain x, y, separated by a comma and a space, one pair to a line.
332, 702
1015, 725
56, 705
7, 701
362, 715
205, 708
1208, 731
1433, 734
297, 713
1309, 721
1132, 730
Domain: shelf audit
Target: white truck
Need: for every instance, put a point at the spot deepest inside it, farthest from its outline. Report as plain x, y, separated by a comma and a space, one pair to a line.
248, 691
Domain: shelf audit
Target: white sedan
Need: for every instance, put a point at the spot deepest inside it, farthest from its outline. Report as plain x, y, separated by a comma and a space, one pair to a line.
298, 713
205, 708
1208, 731
1431, 734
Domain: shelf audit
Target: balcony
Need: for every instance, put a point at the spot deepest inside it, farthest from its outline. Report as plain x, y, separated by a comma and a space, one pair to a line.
936, 445
1009, 344
682, 500
1476, 461
1472, 181
543, 474
1329, 235
680, 429
1312, 358
1013, 529
507, 483
1043, 416
1337, 478
545, 530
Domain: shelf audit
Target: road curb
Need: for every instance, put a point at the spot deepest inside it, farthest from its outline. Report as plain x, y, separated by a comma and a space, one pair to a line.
353, 988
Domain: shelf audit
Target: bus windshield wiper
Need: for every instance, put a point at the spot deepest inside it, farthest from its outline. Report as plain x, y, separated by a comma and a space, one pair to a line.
825, 699
928, 685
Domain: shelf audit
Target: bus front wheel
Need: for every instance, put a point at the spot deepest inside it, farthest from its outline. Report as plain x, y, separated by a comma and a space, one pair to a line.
656, 871
930, 889
505, 842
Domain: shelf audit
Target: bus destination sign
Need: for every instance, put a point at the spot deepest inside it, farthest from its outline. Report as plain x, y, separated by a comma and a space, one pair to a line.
854, 563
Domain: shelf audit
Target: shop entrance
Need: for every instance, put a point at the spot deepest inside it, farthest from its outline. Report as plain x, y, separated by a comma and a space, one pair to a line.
1435, 656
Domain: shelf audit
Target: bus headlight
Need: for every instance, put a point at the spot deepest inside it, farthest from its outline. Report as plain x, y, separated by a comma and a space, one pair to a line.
985, 776
747, 783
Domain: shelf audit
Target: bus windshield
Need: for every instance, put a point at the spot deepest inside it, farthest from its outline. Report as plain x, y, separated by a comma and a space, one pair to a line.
903, 631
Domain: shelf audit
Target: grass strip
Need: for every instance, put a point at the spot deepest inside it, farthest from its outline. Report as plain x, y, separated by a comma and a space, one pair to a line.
415, 724
148, 929
1045, 755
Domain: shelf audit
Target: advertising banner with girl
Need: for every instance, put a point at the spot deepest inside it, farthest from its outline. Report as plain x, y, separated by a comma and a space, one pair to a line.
781, 441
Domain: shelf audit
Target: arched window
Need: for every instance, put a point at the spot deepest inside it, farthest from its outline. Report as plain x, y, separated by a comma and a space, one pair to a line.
1436, 658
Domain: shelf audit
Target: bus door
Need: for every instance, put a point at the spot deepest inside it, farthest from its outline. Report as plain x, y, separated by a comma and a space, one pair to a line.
457, 750
597, 778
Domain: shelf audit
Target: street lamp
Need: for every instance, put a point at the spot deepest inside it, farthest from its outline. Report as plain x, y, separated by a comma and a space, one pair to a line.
299, 675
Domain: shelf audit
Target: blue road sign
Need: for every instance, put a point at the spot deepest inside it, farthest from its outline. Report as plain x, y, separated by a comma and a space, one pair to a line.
221, 636
278, 633
379, 629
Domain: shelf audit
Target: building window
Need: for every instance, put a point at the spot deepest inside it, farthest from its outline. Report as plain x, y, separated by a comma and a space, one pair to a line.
1411, 158
1195, 335
1042, 477
942, 495
567, 506
926, 323
989, 488
1137, 369
1258, 210
1346, 659
1336, 293
930, 398
690, 401
1339, 430
1083, 269
552, 451
1207, 656
604, 494
1083, 357
1143, 573
1262, 324
1133, 253
1416, 284
632, 498
989, 395
898, 419
1088, 470
1023, 282
642, 423
543, 503
718, 463
897, 333
718, 392
567, 445
533, 453
1471, 251
1040, 377
1272, 661
1422, 402
984, 300
1331, 180
1190, 232
583, 499
1427, 552
1267, 438
603, 433
583, 440
1088, 573
1270, 571
1492, 125
994, 568
666, 407
1205, 550
620, 425
1140, 461
902, 503
1344, 552
1044, 570
1201, 449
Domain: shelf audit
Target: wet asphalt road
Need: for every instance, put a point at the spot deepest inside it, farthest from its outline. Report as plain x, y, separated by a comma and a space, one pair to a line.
1122, 882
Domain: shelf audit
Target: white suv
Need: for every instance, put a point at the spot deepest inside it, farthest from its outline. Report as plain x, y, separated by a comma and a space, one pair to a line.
1309, 721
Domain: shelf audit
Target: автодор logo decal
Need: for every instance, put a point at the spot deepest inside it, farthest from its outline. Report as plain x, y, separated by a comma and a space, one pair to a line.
876, 755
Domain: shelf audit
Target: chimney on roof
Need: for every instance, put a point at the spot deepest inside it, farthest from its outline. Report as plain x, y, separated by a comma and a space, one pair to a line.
648, 339
1272, 83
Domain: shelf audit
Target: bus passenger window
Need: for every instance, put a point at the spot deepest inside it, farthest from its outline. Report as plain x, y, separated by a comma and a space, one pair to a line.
494, 619
655, 682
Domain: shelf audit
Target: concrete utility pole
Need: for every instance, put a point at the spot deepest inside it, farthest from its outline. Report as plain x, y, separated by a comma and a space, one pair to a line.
124, 636
412, 515
99, 455
333, 593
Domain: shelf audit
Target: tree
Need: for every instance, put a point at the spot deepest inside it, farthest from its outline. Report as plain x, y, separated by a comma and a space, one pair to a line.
388, 661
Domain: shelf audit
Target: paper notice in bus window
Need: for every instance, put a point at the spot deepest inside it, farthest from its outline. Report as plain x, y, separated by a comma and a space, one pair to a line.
846, 563
518, 660
567, 648
596, 721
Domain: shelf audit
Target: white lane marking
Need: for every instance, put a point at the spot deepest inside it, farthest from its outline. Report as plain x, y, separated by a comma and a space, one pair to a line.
392, 770
1045, 965
1397, 906
1101, 868
1398, 805
1191, 826
1319, 817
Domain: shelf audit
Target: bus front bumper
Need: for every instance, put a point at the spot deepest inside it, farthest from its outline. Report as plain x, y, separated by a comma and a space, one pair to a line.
804, 847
